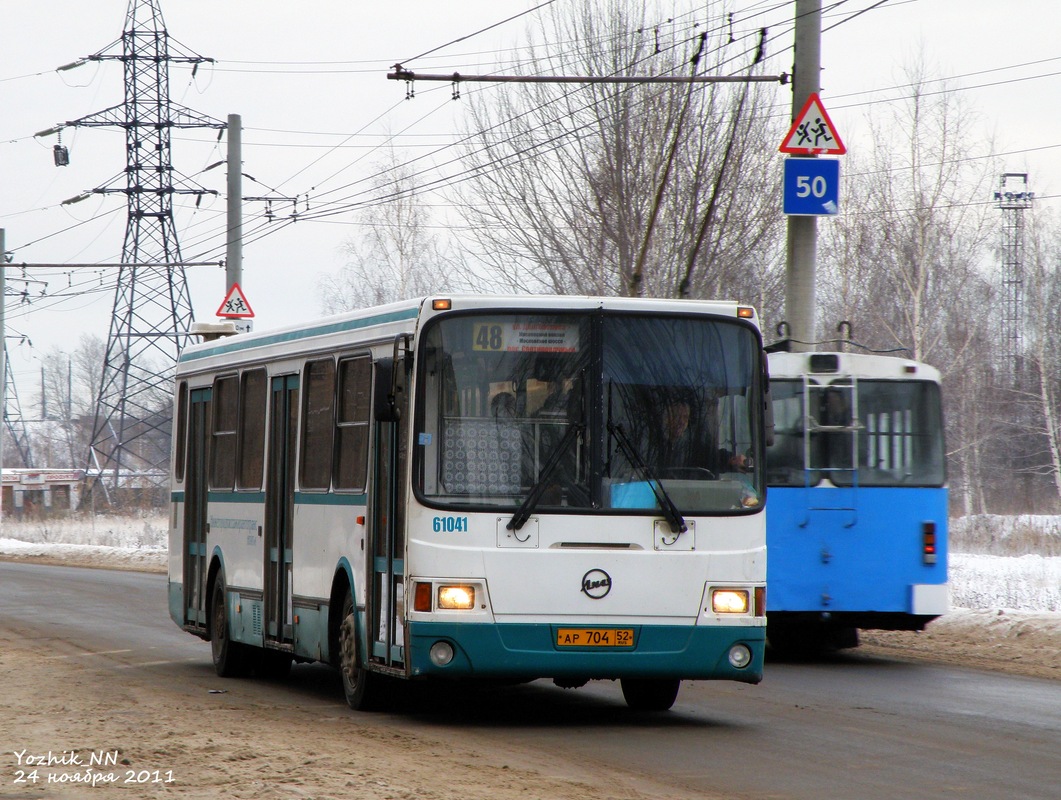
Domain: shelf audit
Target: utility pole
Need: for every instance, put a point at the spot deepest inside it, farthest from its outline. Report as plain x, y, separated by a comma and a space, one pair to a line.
3, 359
234, 250
800, 280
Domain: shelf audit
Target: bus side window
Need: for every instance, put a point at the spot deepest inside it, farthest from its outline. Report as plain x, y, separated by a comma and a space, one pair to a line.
318, 425
182, 430
251, 456
352, 423
223, 451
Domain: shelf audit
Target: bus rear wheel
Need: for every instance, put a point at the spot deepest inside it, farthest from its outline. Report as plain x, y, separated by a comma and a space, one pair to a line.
650, 694
361, 687
230, 658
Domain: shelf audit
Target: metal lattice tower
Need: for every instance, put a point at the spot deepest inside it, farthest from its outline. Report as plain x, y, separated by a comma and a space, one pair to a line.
13, 421
1013, 198
152, 306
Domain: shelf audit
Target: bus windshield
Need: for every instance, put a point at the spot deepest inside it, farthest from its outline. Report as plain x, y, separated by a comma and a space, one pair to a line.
871, 433
589, 411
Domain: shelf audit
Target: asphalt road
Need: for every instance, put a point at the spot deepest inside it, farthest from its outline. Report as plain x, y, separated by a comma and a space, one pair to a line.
850, 727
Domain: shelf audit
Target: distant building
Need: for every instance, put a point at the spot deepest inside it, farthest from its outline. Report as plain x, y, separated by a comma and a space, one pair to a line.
27, 492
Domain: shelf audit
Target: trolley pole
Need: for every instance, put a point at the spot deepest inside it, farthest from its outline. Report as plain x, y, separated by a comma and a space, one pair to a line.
800, 282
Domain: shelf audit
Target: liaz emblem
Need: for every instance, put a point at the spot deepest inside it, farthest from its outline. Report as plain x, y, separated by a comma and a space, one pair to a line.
596, 583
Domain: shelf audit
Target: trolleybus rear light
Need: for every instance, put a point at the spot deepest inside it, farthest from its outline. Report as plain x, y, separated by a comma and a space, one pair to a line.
928, 542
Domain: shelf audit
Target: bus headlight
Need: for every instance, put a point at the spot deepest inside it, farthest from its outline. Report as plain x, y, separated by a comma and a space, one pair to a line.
729, 601
456, 597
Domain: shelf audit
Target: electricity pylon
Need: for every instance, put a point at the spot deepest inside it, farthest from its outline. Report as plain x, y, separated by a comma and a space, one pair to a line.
152, 307
13, 421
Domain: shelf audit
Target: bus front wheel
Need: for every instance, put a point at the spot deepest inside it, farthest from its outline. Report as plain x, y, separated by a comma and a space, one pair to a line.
360, 686
230, 658
650, 694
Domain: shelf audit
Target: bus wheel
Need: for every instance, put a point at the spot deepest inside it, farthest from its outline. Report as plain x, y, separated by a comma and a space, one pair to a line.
650, 694
360, 686
230, 658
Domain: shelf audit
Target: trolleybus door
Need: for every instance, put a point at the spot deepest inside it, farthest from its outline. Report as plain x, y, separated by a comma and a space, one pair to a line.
195, 517
279, 509
387, 508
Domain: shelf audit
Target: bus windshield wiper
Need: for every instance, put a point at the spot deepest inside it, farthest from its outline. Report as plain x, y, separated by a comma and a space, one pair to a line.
534, 495
670, 511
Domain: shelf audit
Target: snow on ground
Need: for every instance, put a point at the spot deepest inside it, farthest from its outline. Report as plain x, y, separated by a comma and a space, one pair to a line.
1004, 571
131, 541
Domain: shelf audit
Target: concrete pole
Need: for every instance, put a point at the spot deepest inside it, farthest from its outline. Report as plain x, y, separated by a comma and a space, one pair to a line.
3, 364
234, 250
800, 282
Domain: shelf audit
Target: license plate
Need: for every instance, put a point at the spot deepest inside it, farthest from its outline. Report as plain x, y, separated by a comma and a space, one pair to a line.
595, 637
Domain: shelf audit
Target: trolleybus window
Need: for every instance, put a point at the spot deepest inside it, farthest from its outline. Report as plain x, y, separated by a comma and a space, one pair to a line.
896, 434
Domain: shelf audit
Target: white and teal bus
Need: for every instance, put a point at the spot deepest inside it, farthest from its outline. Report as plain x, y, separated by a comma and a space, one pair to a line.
485, 488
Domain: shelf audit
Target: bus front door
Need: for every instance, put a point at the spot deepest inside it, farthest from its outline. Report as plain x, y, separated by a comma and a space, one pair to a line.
195, 516
387, 509
279, 511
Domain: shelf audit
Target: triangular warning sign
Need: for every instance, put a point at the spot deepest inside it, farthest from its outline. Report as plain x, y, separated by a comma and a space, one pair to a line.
235, 305
812, 132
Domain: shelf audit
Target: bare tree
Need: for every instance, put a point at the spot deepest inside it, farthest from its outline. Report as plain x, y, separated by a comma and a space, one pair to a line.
1043, 355
648, 189
69, 385
396, 257
912, 233
905, 263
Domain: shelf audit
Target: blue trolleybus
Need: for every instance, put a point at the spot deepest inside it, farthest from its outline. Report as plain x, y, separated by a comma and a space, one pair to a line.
857, 523
487, 488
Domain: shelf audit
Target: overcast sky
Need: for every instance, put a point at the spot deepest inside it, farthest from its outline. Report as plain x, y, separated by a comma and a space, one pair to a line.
309, 80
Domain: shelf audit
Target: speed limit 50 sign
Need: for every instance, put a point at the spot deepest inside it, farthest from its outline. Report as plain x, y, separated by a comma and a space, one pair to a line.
812, 186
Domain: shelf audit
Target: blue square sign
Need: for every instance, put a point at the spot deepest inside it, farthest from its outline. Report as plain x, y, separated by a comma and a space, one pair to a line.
812, 186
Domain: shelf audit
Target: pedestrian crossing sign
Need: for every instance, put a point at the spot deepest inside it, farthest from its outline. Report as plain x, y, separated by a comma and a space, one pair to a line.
812, 132
235, 305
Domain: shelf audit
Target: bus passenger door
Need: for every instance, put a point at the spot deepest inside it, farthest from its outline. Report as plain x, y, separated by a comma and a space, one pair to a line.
387, 509
279, 509
195, 516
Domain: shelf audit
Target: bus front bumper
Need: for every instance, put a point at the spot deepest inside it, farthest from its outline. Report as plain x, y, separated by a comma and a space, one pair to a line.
527, 651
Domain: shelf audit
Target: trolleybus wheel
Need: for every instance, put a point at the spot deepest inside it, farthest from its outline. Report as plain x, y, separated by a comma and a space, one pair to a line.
650, 694
360, 686
230, 658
